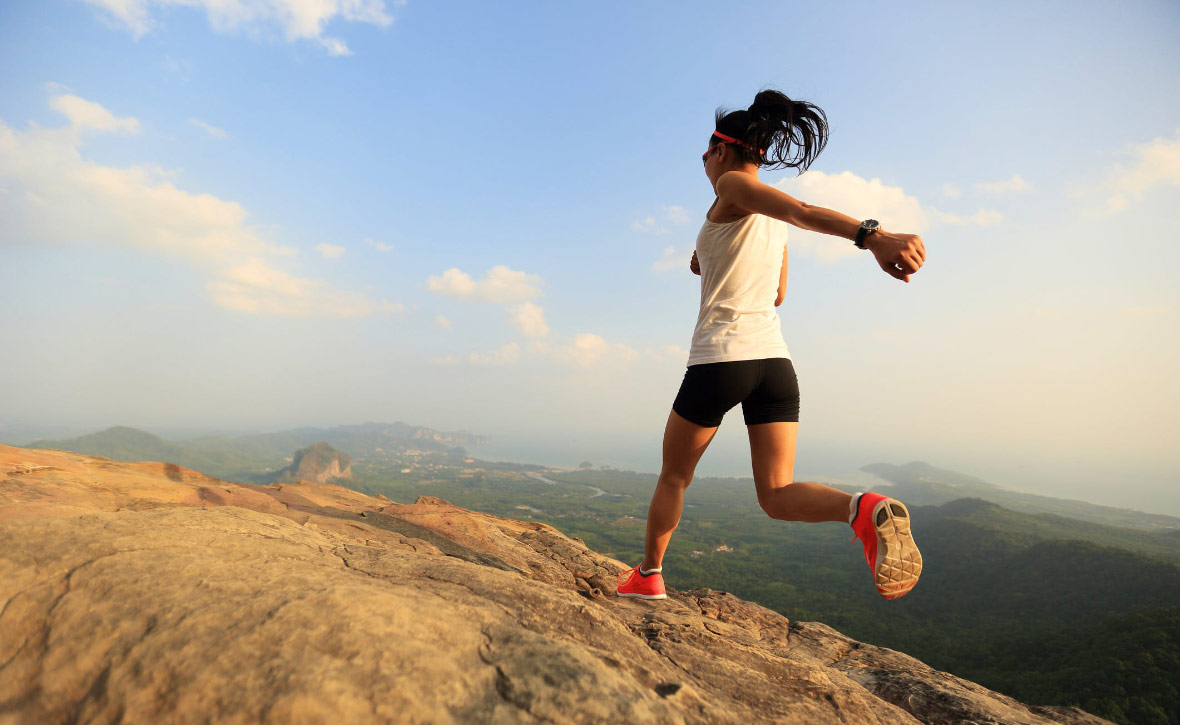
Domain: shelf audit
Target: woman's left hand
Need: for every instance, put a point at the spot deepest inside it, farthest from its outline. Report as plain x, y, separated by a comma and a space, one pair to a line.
900, 255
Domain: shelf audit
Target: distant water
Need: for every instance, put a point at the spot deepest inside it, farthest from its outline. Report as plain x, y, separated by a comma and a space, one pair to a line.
728, 456
1138, 488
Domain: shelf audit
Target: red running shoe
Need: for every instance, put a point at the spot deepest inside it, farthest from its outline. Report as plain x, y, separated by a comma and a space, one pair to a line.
883, 526
643, 586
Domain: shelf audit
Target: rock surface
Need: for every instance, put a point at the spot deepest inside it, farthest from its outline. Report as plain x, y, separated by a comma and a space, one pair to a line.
147, 592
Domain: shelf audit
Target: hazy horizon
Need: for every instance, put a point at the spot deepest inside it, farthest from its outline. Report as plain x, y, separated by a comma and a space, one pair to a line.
480, 216
727, 457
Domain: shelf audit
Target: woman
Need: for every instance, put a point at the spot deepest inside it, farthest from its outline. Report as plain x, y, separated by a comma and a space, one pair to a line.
738, 354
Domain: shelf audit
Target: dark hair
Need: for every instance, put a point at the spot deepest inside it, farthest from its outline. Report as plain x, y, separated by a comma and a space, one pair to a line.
782, 133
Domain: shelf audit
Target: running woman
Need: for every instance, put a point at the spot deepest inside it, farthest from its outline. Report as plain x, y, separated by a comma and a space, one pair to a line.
738, 354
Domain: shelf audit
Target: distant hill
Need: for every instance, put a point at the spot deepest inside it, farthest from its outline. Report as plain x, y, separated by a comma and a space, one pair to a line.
921, 483
1028, 529
254, 458
130, 444
365, 439
116, 442
318, 463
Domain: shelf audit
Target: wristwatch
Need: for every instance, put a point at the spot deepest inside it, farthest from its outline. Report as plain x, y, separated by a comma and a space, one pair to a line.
867, 227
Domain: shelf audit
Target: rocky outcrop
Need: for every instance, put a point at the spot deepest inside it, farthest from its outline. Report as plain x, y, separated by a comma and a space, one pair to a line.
317, 463
151, 593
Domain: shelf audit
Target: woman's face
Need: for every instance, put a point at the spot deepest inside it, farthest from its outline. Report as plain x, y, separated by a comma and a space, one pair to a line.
715, 160
707, 154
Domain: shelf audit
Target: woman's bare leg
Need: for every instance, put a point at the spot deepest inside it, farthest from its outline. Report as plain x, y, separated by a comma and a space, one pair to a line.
772, 452
684, 444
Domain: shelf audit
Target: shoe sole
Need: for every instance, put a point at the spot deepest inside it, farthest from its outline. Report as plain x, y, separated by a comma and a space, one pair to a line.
643, 596
899, 563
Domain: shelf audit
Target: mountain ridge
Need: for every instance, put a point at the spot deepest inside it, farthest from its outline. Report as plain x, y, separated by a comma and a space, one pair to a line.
257, 457
921, 483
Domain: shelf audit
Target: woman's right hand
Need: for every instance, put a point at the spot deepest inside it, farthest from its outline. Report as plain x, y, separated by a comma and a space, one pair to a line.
694, 265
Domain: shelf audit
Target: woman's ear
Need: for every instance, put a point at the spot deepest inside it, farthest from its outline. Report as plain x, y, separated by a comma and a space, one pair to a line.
722, 154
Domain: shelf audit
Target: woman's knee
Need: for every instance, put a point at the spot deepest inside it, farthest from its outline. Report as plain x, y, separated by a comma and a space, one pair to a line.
773, 502
676, 477
770, 506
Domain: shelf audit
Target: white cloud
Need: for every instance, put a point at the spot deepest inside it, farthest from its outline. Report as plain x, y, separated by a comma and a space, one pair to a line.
178, 67
392, 308
88, 114
454, 283
59, 197
387, 248
296, 19
132, 206
589, 350
256, 288
1156, 163
442, 322
673, 259
849, 194
529, 319
500, 285
667, 352
1007, 186
503, 285
862, 198
208, 128
950, 191
584, 351
335, 46
505, 355
668, 216
676, 214
330, 251
646, 224
981, 218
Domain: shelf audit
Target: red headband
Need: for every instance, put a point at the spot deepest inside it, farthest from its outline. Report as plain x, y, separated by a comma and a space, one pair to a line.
731, 139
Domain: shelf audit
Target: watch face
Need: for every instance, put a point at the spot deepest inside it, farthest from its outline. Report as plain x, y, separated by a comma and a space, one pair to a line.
871, 224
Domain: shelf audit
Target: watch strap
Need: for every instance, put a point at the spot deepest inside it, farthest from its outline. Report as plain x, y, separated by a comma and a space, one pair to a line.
860, 236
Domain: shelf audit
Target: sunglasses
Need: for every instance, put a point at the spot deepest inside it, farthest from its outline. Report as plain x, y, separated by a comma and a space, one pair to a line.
705, 156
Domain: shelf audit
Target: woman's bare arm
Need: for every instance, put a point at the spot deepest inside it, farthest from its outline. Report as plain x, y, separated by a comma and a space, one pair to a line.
900, 255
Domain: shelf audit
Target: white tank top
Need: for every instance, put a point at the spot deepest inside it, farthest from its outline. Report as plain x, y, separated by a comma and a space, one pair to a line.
740, 265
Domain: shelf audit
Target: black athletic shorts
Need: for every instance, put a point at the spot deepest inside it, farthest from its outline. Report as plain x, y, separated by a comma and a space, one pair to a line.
767, 389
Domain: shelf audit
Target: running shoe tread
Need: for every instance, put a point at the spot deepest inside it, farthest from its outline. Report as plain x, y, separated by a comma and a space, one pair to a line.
889, 546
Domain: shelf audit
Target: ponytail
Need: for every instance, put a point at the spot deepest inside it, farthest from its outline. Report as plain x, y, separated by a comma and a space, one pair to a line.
775, 131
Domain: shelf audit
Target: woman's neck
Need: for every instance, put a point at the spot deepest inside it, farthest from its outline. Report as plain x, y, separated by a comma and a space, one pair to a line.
743, 168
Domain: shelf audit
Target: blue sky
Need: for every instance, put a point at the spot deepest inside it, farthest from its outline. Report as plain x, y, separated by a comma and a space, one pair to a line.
474, 215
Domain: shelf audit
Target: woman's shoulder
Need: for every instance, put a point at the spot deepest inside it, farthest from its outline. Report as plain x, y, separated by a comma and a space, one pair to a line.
736, 191
724, 213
